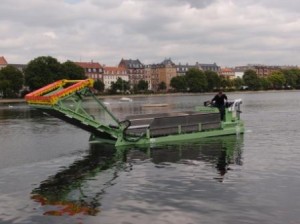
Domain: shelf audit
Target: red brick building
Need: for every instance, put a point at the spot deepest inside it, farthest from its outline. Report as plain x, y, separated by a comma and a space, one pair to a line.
92, 69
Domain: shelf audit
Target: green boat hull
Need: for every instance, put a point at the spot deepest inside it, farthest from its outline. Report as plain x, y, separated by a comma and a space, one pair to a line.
228, 128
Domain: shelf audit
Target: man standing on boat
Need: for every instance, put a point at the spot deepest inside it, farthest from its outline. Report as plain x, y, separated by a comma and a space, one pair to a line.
220, 101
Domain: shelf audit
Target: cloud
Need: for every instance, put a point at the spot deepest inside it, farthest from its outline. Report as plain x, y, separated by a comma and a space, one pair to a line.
228, 32
50, 35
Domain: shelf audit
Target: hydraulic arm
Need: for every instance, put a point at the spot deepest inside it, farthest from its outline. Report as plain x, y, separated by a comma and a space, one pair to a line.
64, 99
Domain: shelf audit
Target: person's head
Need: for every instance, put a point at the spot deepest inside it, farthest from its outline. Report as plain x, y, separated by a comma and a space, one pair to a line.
220, 92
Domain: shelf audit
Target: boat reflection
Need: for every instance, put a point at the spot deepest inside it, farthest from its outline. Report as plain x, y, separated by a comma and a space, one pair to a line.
69, 191
65, 191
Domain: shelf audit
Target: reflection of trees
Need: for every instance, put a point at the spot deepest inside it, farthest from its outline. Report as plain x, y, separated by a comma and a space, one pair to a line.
68, 193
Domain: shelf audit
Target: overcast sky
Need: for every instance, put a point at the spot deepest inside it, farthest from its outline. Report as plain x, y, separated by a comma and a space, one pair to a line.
228, 32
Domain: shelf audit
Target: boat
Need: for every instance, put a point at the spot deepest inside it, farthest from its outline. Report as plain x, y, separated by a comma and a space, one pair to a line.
155, 105
126, 99
145, 129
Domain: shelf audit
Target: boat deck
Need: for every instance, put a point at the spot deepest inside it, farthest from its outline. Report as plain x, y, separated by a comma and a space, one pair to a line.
162, 124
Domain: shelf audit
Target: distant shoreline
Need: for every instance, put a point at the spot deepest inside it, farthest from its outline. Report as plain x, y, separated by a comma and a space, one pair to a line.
18, 100
5, 101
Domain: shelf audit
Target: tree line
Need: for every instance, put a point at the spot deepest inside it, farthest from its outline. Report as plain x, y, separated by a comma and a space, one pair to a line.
38, 73
45, 69
196, 80
281, 79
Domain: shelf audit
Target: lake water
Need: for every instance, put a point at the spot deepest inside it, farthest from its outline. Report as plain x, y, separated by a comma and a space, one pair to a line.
49, 173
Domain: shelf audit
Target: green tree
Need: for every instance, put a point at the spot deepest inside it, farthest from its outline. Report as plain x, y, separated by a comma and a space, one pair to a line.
230, 84
277, 79
251, 80
225, 83
291, 77
265, 83
99, 85
238, 82
297, 72
179, 83
42, 71
73, 71
196, 80
11, 81
162, 86
142, 85
213, 80
4, 88
120, 86
135, 88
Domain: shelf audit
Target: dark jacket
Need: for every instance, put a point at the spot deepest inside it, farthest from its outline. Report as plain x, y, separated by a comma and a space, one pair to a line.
219, 100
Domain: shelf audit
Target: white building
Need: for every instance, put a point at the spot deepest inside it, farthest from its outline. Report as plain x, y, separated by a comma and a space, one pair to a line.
111, 74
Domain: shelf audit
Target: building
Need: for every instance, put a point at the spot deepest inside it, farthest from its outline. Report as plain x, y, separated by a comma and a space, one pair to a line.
181, 69
264, 70
135, 70
227, 73
111, 74
238, 73
166, 71
289, 67
149, 74
152, 72
163, 72
209, 67
92, 69
3, 62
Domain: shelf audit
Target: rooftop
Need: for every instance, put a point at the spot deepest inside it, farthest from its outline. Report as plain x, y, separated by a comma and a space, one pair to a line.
3, 61
89, 64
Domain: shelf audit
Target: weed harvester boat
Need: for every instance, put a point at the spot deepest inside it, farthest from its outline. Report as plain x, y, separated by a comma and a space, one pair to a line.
70, 100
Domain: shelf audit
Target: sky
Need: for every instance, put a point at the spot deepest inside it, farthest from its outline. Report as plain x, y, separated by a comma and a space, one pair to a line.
227, 32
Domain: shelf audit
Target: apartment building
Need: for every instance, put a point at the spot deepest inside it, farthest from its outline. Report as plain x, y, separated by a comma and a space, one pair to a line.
163, 72
227, 73
181, 69
111, 74
135, 70
209, 67
92, 69
264, 71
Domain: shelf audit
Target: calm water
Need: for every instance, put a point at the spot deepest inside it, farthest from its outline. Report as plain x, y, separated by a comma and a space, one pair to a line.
50, 174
